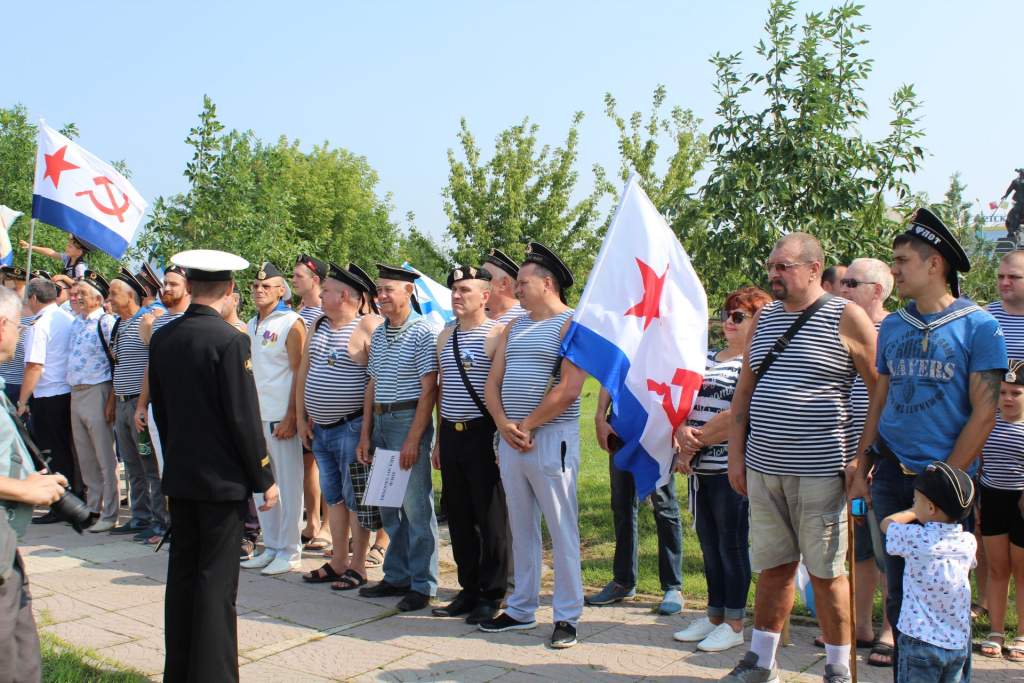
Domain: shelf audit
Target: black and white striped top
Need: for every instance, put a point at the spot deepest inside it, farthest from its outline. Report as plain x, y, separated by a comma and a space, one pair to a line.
399, 357
130, 356
1002, 458
800, 418
715, 395
1013, 329
335, 384
859, 400
456, 403
511, 314
532, 351
309, 315
163, 320
13, 371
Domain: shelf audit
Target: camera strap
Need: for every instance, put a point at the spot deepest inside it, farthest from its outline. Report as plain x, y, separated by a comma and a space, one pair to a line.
41, 463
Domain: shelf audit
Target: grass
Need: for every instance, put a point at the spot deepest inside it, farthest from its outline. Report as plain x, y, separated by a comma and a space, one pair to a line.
66, 663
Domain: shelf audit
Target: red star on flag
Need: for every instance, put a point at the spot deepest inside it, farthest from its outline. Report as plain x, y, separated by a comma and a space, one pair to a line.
648, 307
55, 165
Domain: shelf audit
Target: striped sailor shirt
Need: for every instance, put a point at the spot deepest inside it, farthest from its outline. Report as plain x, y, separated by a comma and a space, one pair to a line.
399, 357
309, 315
335, 384
130, 356
531, 353
715, 395
13, 371
456, 403
1013, 329
1002, 458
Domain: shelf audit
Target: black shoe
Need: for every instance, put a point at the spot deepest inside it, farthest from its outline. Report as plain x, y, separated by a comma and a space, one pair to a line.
48, 518
413, 600
132, 527
506, 623
563, 636
485, 610
383, 590
462, 604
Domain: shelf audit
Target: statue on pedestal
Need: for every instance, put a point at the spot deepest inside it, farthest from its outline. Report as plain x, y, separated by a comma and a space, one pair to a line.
1013, 216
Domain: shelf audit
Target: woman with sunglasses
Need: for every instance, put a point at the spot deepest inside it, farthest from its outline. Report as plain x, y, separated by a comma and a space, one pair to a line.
720, 514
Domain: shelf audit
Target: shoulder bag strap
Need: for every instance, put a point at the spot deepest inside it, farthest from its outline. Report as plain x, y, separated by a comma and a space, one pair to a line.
782, 342
462, 373
103, 340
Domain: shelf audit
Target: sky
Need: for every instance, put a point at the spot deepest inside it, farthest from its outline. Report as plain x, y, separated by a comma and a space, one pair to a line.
390, 81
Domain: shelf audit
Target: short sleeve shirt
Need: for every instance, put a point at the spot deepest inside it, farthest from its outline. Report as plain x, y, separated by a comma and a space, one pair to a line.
928, 402
399, 357
936, 583
87, 358
47, 344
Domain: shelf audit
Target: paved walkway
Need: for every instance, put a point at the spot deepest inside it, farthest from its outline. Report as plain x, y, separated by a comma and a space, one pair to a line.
106, 593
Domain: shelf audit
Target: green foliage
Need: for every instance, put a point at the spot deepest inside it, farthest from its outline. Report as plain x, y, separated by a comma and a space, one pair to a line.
423, 252
17, 172
272, 201
799, 161
980, 283
523, 192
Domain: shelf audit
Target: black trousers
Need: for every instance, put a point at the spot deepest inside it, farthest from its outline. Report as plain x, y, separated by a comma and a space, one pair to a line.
477, 516
51, 430
19, 641
201, 632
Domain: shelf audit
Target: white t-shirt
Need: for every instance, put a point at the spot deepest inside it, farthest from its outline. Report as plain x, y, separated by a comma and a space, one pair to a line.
271, 367
46, 343
936, 583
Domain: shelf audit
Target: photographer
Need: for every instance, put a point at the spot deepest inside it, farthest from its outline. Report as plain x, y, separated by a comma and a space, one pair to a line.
21, 488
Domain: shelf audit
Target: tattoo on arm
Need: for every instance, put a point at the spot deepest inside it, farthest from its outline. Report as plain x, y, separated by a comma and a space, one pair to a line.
990, 382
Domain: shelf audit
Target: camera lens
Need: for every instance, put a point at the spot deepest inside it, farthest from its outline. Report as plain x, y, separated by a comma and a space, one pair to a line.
71, 509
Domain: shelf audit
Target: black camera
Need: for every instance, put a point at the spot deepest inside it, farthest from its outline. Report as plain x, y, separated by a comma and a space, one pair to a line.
71, 509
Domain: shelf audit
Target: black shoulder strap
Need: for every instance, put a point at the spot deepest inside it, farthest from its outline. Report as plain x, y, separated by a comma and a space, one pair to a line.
782, 342
462, 373
319, 323
103, 341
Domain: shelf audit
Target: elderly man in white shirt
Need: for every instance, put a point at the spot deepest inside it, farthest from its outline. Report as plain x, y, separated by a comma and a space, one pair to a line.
45, 383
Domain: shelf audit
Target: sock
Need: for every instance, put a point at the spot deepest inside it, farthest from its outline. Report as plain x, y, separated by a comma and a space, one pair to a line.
837, 654
763, 644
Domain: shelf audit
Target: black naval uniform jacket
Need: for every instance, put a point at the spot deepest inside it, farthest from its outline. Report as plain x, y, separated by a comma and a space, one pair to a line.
206, 409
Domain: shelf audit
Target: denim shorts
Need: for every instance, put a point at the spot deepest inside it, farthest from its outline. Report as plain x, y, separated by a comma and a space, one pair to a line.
334, 450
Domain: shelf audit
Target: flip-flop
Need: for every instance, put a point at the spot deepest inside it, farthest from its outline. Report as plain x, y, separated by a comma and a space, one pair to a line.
315, 546
325, 574
880, 650
375, 557
348, 581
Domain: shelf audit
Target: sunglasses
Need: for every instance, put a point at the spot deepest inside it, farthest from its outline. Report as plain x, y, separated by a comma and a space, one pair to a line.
781, 266
853, 284
736, 317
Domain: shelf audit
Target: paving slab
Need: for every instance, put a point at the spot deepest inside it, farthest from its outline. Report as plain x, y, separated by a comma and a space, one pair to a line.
337, 656
90, 636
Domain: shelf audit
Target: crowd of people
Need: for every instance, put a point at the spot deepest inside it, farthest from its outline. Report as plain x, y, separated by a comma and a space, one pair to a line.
260, 436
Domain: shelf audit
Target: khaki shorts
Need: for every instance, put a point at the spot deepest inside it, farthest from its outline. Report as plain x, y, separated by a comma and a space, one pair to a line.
793, 516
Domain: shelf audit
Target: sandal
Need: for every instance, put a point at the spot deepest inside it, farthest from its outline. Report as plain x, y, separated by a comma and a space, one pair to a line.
349, 580
880, 650
1015, 652
325, 574
315, 546
375, 557
977, 611
994, 649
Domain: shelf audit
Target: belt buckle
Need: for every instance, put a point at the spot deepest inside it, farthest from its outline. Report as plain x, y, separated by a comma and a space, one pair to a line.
460, 426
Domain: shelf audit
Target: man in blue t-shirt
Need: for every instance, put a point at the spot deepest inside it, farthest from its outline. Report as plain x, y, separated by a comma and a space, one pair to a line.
940, 361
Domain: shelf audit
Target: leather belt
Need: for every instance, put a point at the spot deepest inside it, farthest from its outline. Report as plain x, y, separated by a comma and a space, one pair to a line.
127, 397
382, 408
470, 425
343, 420
887, 453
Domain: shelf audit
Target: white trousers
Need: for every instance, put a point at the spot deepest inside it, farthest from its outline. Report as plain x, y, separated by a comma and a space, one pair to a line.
543, 481
282, 524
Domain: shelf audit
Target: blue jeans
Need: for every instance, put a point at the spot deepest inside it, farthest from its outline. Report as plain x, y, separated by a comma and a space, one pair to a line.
723, 526
334, 450
411, 559
625, 507
922, 662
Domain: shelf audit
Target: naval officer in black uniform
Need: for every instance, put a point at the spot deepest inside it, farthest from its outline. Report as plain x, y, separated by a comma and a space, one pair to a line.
206, 410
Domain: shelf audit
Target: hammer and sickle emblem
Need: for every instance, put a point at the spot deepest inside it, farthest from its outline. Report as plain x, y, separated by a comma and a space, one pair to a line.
114, 209
689, 383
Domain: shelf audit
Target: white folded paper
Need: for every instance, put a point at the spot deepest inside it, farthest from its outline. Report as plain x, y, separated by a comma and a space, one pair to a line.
387, 483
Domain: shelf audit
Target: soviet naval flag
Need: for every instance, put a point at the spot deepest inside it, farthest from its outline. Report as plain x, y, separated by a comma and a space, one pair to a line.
79, 192
641, 329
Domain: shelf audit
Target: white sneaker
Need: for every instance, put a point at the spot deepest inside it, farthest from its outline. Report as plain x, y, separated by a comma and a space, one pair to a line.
722, 638
260, 561
101, 525
697, 630
281, 565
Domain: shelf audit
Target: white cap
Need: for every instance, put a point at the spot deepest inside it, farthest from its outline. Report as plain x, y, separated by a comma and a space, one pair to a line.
210, 265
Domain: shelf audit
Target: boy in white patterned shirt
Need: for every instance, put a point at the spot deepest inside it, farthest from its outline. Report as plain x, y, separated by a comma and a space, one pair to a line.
935, 621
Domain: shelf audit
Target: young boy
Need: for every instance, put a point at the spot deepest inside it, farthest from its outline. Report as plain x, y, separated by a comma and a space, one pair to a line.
935, 621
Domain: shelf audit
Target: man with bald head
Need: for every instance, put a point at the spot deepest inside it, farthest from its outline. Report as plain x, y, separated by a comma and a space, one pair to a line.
792, 436
1009, 310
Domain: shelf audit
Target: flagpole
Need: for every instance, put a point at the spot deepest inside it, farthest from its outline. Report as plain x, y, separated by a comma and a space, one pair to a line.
28, 265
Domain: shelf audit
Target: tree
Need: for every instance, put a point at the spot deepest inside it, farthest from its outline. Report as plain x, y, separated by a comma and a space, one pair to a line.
980, 283
799, 162
422, 252
522, 193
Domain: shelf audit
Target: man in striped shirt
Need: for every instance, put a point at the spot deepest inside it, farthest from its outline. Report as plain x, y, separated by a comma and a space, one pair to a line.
791, 437
149, 511
330, 389
1009, 310
400, 395
475, 499
308, 277
533, 396
13, 371
503, 305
